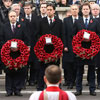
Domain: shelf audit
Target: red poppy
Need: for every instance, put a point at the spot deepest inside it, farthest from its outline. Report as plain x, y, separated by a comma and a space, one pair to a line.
86, 53
20, 61
19, 26
42, 55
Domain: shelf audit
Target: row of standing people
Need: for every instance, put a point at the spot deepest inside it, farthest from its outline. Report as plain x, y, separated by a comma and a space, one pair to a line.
36, 31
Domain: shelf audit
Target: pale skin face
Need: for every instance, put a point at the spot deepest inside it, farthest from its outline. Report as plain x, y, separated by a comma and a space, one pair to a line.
86, 11
74, 10
50, 11
27, 9
95, 10
17, 10
64, 2
12, 17
43, 9
7, 3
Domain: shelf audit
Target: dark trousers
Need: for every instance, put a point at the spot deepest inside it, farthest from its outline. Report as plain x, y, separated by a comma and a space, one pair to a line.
40, 82
98, 76
91, 80
69, 72
14, 81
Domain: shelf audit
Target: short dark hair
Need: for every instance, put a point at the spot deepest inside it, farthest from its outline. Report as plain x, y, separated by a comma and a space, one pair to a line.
52, 5
42, 4
86, 4
53, 74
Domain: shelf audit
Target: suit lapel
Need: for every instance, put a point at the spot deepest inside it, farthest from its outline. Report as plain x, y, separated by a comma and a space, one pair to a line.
82, 23
9, 28
46, 22
90, 22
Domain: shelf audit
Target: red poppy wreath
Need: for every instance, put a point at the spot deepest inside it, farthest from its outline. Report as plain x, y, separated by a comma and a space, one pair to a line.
86, 53
18, 62
49, 48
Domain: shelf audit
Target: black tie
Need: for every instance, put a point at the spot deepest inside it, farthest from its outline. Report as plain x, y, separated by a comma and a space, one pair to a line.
86, 23
28, 17
75, 20
50, 22
13, 28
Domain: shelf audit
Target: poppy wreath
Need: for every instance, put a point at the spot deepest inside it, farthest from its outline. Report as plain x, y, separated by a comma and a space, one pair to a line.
86, 53
18, 62
43, 55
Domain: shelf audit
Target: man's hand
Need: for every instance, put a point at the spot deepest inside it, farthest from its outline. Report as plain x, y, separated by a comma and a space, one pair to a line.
66, 49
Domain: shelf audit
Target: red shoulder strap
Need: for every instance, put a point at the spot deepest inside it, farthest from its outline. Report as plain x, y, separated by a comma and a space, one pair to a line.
41, 96
63, 95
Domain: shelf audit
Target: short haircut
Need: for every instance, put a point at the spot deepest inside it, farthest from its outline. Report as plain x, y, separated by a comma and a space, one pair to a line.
86, 4
28, 3
53, 74
11, 11
15, 4
52, 5
75, 5
43, 4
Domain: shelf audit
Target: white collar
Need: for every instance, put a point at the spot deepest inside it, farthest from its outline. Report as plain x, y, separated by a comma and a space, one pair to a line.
53, 85
96, 16
49, 19
88, 19
18, 19
75, 17
28, 15
43, 15
13, 24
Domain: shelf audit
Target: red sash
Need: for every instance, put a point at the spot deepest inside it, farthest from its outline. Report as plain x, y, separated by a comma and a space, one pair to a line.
62, 94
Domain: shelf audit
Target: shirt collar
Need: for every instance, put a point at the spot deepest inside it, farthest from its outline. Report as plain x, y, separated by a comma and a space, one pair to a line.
88, 19
96, 16
43, 15
13, 24
75, 17
53, 85
28, 15
49, 19
18, 19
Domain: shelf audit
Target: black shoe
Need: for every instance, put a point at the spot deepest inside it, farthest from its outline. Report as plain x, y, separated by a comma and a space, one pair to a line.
31, 84
18, 94
92, 93
78, 93
8, 94
98, 87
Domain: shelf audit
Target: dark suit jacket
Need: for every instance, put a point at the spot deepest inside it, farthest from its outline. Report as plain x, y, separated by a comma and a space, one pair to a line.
7, 34
54, 29
20, 33
92, 26
68, 36
32, 33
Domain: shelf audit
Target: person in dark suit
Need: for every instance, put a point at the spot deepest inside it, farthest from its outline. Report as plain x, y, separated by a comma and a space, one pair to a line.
4, 9
49, 25
95, 10
32, 29
88, 23
68, 55
14, 79
20, 14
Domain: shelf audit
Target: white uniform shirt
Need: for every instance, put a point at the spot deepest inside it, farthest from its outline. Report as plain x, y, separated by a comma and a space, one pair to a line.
52, 95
